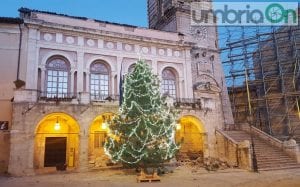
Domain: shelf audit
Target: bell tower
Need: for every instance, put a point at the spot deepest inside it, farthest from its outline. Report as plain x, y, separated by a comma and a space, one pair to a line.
175, 16
207, 70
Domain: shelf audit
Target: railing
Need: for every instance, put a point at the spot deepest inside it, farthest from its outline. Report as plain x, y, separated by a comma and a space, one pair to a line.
104, 98
86, 98
227, 137
233, 152
272, 140
227, 148
291, 149
190, 102
56, 96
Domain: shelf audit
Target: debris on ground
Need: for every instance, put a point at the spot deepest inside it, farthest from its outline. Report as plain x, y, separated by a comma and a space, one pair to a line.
196, 162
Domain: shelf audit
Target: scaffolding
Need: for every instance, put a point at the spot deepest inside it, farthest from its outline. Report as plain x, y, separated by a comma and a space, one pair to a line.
262, 69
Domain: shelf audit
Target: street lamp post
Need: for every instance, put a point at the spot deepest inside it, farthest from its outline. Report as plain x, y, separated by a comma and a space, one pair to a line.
250, 121
254, 159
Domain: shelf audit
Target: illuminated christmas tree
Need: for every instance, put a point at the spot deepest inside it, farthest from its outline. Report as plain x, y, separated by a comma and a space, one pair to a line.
143, 133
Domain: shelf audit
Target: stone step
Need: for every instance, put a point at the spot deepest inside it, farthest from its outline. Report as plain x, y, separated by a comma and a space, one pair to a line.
275, 161
261, 166
267, 151
279, 168
261, 156
268, 156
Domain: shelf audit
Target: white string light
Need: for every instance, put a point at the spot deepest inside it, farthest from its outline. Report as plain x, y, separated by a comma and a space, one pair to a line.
144, 129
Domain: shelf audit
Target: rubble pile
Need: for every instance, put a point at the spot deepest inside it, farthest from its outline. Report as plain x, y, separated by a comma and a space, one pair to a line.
214, 164
195, 162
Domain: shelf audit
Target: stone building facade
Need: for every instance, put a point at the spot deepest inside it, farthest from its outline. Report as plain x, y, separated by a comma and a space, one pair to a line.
9, 52
71, 67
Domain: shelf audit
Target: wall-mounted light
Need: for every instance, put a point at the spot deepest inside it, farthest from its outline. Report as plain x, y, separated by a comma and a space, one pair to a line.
104, 125
104, 122
57, 125
178, 126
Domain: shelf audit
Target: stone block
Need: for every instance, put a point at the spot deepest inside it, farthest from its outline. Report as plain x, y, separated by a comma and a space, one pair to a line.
25, 95
84, 98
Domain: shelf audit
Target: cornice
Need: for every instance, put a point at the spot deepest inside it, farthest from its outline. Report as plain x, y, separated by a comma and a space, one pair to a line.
82, 31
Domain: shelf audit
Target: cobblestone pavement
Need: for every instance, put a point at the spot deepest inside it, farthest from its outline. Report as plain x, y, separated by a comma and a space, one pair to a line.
182, 176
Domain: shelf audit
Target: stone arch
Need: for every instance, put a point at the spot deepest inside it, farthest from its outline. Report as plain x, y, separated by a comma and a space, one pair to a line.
176, 70
58, 77
207, 76
103, 59
56, 142
101, 80
98, 131
191, 134
51, 54
51, 58
107, 65
130, 67
171, 80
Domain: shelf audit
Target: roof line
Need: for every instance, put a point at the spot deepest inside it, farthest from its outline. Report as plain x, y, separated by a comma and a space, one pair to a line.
11, 20
28, 11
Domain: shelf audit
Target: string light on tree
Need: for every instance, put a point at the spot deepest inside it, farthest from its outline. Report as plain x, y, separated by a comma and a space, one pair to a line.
178, 126
143, 133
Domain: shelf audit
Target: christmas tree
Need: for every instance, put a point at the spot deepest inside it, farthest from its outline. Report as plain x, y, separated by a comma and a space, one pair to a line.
143, 133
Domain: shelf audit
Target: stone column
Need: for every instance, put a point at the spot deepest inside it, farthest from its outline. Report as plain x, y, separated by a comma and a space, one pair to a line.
32, 60
119, 63
83, 154
182, 90
154, 67
72, 81
188, 75
112, 83
21, 144
43, 79
88, 81
80, 68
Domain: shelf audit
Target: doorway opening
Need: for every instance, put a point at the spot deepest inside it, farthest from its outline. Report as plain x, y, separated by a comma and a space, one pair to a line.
55, 151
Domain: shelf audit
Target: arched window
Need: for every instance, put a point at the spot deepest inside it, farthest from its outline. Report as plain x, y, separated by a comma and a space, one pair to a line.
99, 81
57, 81
169, 82
131, 68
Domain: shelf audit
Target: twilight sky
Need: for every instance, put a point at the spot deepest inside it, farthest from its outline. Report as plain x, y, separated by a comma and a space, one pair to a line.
121, 11
132, 12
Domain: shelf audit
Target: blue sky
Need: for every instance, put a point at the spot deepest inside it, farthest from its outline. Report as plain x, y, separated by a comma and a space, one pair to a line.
121, 11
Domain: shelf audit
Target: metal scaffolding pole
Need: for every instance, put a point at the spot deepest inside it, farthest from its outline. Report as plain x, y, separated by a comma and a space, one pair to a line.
262, 67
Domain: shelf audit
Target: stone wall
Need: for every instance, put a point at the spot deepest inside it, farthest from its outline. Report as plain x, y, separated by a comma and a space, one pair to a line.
4, 151
235, 154
26, 118
9, 50
28, 115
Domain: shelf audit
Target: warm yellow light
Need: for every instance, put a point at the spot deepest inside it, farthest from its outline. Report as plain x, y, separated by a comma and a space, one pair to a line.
57, 126
104, 125
178, 126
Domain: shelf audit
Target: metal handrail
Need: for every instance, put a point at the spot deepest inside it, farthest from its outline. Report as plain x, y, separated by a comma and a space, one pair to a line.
101, 98
226, 136
55, 96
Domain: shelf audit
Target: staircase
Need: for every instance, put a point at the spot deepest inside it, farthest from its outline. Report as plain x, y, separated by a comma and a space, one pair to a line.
268, 156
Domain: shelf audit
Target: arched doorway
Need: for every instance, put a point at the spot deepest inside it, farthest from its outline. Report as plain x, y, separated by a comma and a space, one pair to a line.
97, 136
56, 142
191, 136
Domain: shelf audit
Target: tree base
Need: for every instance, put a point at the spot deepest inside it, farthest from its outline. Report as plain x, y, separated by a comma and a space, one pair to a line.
143, 177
